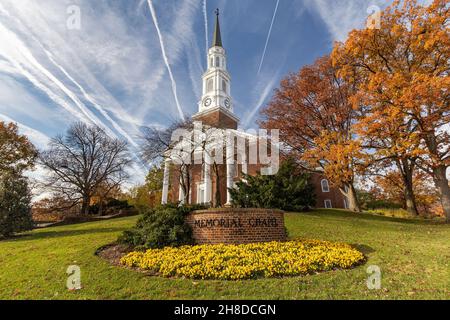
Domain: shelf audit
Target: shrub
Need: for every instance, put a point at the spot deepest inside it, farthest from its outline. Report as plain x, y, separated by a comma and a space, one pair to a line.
246, 261
288, 190
15, 205
161, 227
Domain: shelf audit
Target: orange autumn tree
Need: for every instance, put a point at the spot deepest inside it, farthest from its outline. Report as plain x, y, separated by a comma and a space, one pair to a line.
390, 186
314, 115
388, 139
17, 153
402, 75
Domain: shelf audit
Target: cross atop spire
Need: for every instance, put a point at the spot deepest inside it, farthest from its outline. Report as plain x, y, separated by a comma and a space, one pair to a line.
217, 39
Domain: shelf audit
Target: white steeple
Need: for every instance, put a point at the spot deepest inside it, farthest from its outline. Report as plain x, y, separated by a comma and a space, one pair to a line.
216, 79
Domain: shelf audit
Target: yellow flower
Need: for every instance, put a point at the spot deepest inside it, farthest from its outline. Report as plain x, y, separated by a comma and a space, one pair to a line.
246, 261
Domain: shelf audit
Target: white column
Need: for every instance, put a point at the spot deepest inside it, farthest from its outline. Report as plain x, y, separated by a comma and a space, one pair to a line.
230, 166
243, 154
207, 177
165, 191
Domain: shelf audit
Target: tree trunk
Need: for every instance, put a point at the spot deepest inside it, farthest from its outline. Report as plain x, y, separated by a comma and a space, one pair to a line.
410, 199
218, 200
100, 208
85, 205
441, 181
187, 191
352, 199
406, 167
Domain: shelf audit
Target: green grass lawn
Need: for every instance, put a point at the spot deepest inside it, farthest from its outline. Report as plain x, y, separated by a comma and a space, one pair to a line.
414, 257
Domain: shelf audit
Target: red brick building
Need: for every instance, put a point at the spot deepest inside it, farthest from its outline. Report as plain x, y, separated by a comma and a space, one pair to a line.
216, 111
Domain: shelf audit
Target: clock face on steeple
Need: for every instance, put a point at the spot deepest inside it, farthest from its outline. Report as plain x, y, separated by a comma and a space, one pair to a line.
207, 102
227, 103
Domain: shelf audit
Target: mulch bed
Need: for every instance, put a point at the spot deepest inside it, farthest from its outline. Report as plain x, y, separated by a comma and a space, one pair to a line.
113, 253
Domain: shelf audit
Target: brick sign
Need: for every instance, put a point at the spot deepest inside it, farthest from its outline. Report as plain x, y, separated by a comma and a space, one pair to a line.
231, 225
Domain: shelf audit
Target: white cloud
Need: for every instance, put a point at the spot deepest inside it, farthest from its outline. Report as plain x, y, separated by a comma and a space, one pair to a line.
38, 138
166, 60
342, 16
264, 92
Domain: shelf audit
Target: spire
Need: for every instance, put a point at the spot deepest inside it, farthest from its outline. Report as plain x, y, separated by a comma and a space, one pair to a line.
217, 40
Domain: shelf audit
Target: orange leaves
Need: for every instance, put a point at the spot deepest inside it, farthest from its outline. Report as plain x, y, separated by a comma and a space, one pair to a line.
383, 94
17, 153
401, 73
313, 111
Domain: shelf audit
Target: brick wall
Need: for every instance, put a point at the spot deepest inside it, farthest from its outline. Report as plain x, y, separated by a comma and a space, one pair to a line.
217, 119
334, 195
236, 226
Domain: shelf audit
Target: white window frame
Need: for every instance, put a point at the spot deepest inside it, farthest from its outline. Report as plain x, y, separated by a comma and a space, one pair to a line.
225, 86
325, 202
208, 82
327, 189
201, 188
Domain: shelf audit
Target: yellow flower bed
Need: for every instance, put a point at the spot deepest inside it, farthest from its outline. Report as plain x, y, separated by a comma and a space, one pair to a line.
246, 261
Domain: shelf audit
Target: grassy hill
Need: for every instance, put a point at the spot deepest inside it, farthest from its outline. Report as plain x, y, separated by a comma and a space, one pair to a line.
414, 257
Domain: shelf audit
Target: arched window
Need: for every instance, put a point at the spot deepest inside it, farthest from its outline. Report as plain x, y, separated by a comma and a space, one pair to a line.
325, 185
209, 85
211, 63
224, 86
217, 62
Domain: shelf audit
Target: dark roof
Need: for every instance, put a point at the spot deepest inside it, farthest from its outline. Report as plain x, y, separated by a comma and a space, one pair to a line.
217, 39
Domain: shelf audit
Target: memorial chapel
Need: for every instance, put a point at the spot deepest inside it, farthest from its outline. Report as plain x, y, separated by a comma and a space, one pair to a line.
215, 110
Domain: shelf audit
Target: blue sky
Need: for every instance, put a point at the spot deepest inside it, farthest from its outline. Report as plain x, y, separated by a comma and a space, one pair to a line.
112, 70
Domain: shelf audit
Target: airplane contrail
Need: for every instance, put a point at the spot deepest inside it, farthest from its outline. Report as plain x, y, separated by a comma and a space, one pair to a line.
268, 36
25, 53
166, 60
91, 100
86, 115
265, 93
205, 16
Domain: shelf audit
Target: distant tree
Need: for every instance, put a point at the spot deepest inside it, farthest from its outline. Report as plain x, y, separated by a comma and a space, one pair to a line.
46, 209
103, 194
82, 161
15, 205
17, 153
390, 187
401, 72
147, 195
315, 117
288, 190
154, 179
